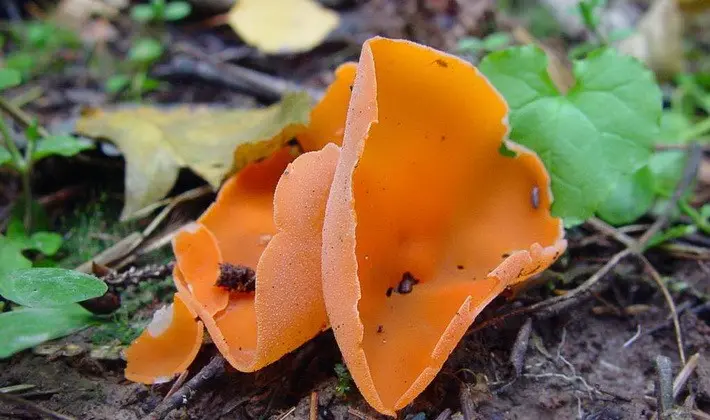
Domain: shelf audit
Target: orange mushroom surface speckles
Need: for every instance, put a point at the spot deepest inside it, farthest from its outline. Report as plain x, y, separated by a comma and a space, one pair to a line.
264, 229
167, 346
426, 220
327, 123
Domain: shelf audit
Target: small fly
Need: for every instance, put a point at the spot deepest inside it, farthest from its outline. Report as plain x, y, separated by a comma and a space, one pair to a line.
535, 197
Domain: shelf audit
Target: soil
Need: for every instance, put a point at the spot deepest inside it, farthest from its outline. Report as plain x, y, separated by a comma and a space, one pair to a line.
576, 366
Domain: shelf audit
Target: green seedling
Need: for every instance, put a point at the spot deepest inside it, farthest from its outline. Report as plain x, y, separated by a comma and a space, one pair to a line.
474, 47
37, 47
160, 11
345, 381
134, 82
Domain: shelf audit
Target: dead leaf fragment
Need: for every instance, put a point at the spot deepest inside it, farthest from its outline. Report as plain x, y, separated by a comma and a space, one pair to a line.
213, 143
282, 26
658, 40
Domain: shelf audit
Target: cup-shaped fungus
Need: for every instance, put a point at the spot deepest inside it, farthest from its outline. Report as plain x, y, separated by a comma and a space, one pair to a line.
327, 123
427, 220
167, 346
251, 268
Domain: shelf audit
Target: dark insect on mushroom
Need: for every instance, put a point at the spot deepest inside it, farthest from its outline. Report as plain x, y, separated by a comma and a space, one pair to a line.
407, 283
535, 196
389, 291
236, 278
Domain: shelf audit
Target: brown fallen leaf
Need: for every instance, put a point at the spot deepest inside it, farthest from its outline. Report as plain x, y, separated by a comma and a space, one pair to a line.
282, 26
213, 143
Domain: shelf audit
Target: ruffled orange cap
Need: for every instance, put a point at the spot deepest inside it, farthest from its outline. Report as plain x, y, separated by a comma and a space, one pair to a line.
268, 231
327, 124
426, 220
167, 347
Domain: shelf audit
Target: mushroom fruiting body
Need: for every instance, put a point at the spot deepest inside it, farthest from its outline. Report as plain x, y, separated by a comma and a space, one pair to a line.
427, 221
167, 346
266, 224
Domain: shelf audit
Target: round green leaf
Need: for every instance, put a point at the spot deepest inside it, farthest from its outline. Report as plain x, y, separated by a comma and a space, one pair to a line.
24, 328
43, 287
145, 50
11, 257
590, 138
177, 10
9, 78
667, 169
142, 13
47, 243
117, 83
62, 145
631, 199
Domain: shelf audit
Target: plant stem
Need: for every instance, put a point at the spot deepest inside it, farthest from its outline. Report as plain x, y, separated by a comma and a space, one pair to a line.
27, 182
11, 146
696, 130
20, 116
695, 215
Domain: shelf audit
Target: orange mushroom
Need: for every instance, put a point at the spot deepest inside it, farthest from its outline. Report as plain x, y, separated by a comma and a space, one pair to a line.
167, 346
251, 266
427, 221
327, 123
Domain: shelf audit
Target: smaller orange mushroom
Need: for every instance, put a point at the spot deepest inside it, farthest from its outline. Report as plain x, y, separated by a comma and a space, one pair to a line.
167, 347
251, 266
427, 222
327, 123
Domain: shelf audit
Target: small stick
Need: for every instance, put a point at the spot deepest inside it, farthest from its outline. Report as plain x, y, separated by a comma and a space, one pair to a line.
671, 305
176, 385
685, 374
444, 415
468, 407
313, 413
552, 306
213, 369
33, 407
517, 355
20, 116
288, 413
664, 386
609, 230
700, 414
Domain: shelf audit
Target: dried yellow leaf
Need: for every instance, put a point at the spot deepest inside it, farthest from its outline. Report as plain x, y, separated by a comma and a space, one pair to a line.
213, 143
282, 26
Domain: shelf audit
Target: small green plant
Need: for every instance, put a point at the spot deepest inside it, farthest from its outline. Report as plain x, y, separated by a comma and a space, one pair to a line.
37, 46
134, 81
345, 381
159, 11
49, 309
590, 13
39, 145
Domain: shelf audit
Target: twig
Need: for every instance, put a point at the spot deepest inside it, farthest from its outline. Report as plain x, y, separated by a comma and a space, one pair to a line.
664, 386
553, 306
695, 154
176, 385
288, 413
671, 305
700, 414
135, 275
313, 409
633, 339
609, 230
33, 407
685, 374
468, 407
517, 355
213, 369
444, 415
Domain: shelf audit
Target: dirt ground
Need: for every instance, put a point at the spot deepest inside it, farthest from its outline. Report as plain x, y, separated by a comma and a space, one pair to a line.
577, 365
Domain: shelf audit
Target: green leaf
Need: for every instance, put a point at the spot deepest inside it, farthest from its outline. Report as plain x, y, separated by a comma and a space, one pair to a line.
669, 234
497, 41
469, 45
150, 85
177, 10
11, 257
601, 131
142, 13
32, 131
5, 156
62, 145
21, 61
47, 243
117, 83
46, 287
9, 78
24, 328
145, 51
667, 169
631, 198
